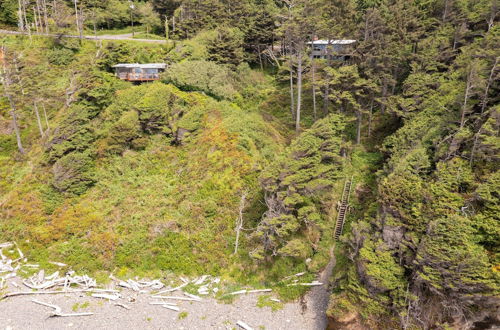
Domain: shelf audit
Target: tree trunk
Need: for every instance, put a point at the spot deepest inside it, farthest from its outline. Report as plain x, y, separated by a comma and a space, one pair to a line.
82, 20
313, 78
260, 57
384, 96
35, 107
36, 20
46, 118
77, 18
166, 28
358, 130
466, 99
13, 113
239, 221
445, 11
299, 89
45, 16
25, 18
326, 92
370, 118
20, 18
292, 96
484, 101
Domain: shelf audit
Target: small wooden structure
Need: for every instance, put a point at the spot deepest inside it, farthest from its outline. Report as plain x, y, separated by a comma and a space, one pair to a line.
139, 72
341, 49
344, 207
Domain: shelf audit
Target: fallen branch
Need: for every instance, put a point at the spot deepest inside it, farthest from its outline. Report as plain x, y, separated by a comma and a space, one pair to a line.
172, 308
57, 310
106, 296
294, 275
122, 305
172, 297
162, 303
315, 283
250, 291
25, 293
243, 325
192, 296
173, 289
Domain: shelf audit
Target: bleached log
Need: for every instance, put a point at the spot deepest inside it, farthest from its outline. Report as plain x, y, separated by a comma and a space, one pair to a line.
171, 308
46, 285
122, 305
106, 296
53, 276
125, 285
26, 293
201, 280
6, 245
59, 264
275, 300
176, 298
102, 290
162, 303
57, 310
294, 275
21, 254
306, 284
258, 291
173, 289
134, 285
192, 296
250, 291
243, 325
238, 292
31, 265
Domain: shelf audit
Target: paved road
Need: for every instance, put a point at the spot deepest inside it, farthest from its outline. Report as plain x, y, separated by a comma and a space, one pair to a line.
103, 37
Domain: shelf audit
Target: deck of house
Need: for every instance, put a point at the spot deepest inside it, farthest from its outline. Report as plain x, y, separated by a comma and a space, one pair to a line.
341, 49
135, 72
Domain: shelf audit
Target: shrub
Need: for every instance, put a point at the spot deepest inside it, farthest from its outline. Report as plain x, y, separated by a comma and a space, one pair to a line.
73, 173
202, 76
60, 56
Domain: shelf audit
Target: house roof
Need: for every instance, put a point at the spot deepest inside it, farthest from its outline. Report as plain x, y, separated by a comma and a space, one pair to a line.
332, 42
142, 66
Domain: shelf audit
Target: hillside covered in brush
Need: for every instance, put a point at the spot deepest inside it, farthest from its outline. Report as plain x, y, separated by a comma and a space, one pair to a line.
234, 161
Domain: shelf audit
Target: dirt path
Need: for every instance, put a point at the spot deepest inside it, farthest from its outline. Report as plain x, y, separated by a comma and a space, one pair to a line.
87, 37
318, 297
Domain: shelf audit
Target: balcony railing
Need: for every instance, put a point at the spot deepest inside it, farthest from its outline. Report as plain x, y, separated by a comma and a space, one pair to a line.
138, 76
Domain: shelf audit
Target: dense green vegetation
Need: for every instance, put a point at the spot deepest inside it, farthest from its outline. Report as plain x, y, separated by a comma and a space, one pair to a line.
247, 135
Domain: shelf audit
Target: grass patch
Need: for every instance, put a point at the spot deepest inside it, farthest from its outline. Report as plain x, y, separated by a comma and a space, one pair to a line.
265, 301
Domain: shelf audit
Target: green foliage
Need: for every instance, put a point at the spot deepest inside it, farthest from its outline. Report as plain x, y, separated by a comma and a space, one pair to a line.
294, 184
226, 47
449, 260
380, 268
60, 56
203, 76
73, 173
8, 12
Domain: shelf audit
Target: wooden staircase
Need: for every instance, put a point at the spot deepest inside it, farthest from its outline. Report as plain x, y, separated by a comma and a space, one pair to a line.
343, 207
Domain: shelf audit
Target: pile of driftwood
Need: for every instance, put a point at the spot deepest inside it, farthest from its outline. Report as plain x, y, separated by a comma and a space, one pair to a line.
165, 296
